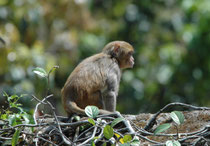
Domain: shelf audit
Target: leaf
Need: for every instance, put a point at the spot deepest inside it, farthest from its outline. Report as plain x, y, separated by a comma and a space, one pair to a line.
108, 132
12, 120
162, 128
116, 121
91, 121
3, 116
127, 138
40, 71
117, 135
176, 143
91, 111
172, 143
169, 143
121, 141
15, 137
125, 144
135, 142
26, 118
177, 117
92, 143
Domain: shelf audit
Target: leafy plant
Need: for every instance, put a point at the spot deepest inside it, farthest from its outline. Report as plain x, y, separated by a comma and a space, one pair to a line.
42, 73
19, 117
162, 128
116, 121
92, 111
108, 132
172, 143
178, 119
15, 137
15, 117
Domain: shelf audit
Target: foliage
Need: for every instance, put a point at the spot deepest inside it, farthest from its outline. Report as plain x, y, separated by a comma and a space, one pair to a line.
170, 40
15, 115
178, 118
108, 130
91, 111
172, 143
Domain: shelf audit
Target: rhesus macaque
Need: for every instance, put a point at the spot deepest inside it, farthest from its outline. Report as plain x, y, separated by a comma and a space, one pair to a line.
95, 81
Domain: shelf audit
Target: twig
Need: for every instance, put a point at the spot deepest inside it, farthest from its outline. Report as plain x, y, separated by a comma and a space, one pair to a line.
39, 137
147, 139
93, 135
146, 133
100, 136
83, 133
35, 111
152, 121
126, 123
5, 138
46, 124
40, 102
65, 139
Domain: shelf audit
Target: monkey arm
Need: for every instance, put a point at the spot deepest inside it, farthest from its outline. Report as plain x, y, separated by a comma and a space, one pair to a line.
110, 95
110, 101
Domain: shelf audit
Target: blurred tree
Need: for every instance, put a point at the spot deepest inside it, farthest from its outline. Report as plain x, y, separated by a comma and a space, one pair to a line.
171, 40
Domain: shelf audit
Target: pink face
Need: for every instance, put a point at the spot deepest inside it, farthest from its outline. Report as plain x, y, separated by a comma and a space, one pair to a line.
131, 61
128, 61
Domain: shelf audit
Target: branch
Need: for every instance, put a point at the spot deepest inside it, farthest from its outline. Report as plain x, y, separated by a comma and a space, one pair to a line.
152, 121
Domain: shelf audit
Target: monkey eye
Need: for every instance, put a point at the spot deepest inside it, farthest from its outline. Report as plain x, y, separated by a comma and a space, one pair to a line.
130, 53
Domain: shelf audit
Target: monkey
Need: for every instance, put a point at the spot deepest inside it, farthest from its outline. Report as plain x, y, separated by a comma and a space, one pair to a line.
95, 81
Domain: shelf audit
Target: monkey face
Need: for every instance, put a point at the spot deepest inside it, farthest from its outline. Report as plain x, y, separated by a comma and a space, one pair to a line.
131, 62
127, 61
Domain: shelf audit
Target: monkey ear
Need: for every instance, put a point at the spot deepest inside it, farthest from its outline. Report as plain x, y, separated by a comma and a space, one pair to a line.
116, 48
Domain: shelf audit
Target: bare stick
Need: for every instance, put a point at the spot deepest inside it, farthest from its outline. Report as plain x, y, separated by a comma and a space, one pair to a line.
89, 139
152, 121
65, 139
40, 102
83, 133
39, 137
127, 123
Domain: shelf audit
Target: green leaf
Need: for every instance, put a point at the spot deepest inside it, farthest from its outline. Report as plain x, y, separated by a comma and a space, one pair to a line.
26, 117
40, 71
116, 121
3, 116
12, 120
169, 143
15, 137
77, 118
125, 144
135, 142
177, 117
92, 143
162, 128
172, 143
127, 138
108, 132
176, 143
91, 111
91, 121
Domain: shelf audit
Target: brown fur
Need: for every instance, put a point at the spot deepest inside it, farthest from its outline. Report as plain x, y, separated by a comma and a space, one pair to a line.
95, 81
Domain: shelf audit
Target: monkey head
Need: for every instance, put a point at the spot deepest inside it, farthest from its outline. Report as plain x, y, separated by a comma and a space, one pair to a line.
122, 52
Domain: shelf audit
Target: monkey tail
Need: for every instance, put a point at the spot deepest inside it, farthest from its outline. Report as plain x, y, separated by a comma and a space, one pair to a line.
72, 108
